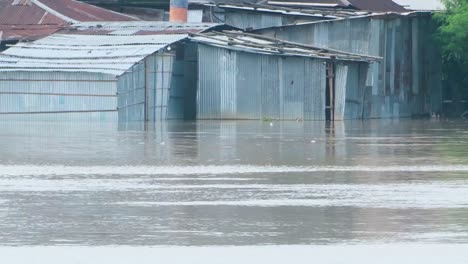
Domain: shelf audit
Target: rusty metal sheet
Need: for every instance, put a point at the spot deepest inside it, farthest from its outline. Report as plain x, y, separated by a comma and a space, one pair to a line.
34, 19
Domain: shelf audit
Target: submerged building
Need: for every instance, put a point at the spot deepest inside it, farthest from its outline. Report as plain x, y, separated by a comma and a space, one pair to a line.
315, 64
407, 82
107, 72
151, 72
244, 76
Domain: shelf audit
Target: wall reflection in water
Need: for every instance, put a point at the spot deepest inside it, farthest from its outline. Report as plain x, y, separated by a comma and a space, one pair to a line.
200, 201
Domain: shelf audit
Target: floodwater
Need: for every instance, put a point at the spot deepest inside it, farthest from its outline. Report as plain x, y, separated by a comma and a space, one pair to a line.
234, 183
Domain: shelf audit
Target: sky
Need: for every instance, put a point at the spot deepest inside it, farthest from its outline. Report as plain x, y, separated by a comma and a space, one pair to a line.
420, 4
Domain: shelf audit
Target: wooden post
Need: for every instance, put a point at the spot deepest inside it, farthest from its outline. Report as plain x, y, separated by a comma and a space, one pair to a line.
331, 82
147, 91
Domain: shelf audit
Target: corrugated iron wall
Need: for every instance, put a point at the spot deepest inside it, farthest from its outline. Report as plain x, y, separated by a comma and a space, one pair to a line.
227, 64
245, 20
248, 86
270, 88
131, 94
241, 85
314, 98
406, 83
341, 80
292, 87
143, 91
357, 89
177, 90
58, 96
256, 20
216, 89
159, 77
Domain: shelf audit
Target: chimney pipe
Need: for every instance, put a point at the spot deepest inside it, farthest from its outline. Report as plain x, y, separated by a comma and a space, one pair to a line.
178, 11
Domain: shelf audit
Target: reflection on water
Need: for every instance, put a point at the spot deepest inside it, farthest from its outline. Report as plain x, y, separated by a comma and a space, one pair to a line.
233, 183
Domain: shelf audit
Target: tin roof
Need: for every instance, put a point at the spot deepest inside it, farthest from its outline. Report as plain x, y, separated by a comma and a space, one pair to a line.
138, 28
370, 5
84, 53
79, 11
112, 50
377, 15
321, 13
33, 19
312, 3
241, 41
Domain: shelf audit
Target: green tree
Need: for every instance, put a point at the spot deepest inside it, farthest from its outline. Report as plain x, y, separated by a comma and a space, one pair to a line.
453, 37
453, 32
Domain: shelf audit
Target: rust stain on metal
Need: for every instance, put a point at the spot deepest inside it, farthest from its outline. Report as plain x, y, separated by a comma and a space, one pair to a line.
31, 20
85, 12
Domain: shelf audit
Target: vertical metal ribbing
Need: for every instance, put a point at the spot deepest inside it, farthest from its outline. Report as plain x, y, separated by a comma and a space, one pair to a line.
147, 87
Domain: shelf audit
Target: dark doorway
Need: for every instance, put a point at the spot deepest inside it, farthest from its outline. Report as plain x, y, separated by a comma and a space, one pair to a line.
4, 44
191, 80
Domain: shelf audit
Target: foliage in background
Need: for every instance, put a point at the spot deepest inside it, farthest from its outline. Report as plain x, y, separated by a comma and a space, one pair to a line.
453, 37
453, 32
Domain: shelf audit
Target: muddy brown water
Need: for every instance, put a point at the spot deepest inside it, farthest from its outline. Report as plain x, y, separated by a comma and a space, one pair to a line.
233, 183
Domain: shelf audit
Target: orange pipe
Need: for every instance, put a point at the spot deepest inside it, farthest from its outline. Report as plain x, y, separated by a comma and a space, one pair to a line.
178, 14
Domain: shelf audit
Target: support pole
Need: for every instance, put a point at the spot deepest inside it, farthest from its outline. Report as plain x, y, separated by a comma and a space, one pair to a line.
331, 83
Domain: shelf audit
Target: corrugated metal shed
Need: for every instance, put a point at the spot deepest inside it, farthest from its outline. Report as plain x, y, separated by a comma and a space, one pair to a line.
243, 76
406, 83
118, 75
